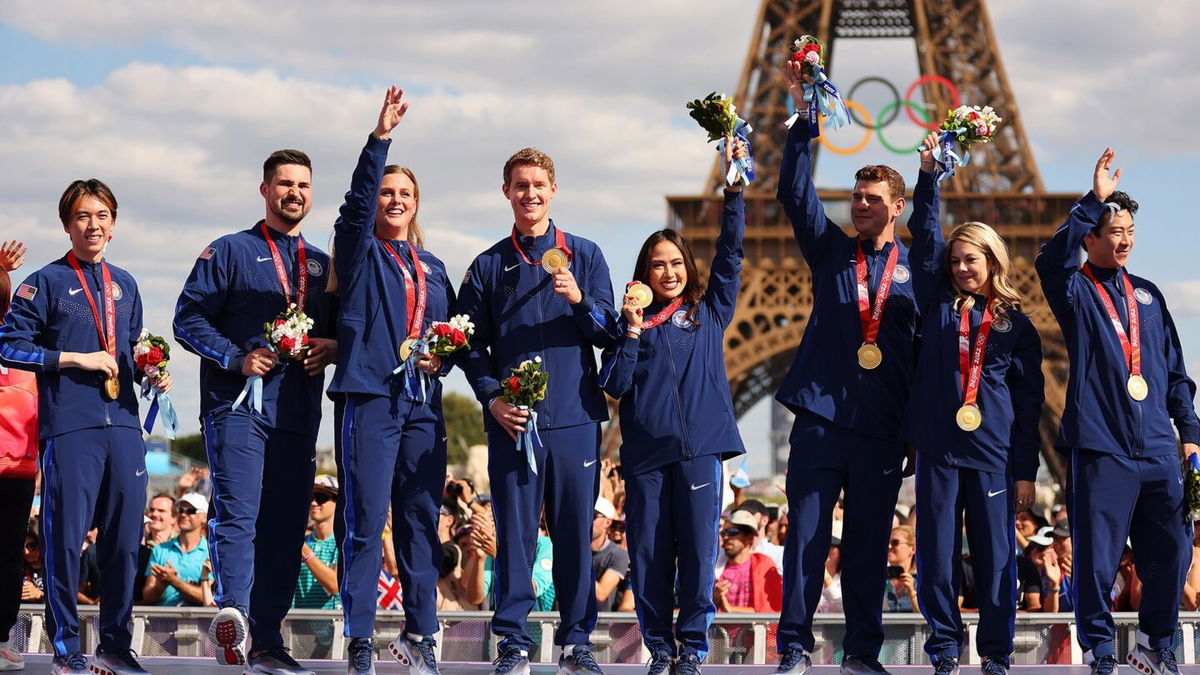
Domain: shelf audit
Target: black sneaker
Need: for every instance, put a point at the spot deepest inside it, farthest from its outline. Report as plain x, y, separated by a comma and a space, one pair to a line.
945, 666
512, 661
794, 661
660, 662
994, 666
688, 663
862, 665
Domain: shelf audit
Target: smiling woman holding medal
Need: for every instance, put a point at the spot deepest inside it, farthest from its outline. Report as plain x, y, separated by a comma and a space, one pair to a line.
677, 426
973, 419
74, 323
391, 449
1128, 393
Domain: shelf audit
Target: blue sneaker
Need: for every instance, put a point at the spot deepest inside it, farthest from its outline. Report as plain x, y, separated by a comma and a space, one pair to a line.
74, 663
116, 663
660, 662
360, 657
1105, 665
994, 666
511, 661
579, 662
794, 661
688, 663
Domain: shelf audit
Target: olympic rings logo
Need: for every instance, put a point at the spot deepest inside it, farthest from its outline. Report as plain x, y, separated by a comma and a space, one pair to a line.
889, 113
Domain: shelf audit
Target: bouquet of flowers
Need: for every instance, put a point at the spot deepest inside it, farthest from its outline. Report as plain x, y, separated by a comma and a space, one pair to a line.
1191, 487
150, 356
287, 334
964, 126
446, 337
822, 96
524, 388
718, 116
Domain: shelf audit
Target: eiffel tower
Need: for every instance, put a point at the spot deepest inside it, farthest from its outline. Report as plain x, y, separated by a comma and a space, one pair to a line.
1001, 187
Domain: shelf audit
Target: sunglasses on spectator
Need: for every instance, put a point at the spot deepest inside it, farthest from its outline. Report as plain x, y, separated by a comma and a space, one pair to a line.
321, 498
617, 526
898, 542
732, 532
32, 545
186, 510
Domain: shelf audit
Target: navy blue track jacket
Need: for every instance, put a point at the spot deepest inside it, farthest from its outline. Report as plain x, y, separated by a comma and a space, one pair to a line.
231, 292
675, 401
825, 378
49, 315
372, 313
518, 316
1100, 415
1011, 386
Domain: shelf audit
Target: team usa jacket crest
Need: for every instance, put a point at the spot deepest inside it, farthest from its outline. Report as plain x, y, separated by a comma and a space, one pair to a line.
825, 378
1100, 415
49, 315
1011, 386
372, 310
518, 316
231, 292
675, 401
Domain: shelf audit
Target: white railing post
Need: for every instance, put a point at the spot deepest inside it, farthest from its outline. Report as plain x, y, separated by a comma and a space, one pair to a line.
760, 643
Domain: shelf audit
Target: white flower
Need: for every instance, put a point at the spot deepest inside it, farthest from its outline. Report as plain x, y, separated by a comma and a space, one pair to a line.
151, 371
537, 359
812, 58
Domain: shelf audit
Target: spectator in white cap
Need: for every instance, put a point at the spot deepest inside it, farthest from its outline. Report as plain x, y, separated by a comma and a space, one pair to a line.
610, 563
318, 584
177, 567
746, 581
1031, 568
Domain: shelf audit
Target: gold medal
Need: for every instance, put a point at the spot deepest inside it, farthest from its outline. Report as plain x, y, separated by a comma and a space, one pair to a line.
869, 356
642, 294
112, 388
554, 259
1137, 387
968, 417
406, 348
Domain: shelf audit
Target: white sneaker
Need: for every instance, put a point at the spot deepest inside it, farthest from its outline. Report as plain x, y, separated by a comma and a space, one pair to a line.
1153, 661
116, 663
10, 659
416, 654
228, 632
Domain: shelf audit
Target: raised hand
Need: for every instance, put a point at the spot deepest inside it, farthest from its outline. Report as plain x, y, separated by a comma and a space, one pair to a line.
392, 112
1103, 184
927, 147
12, 255
631, 311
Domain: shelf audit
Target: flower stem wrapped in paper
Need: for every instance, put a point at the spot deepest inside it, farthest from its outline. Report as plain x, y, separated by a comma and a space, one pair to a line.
446, 337
1191, 487
286, 335
524, 388
718, 116
150, 356
822, 96
964, 126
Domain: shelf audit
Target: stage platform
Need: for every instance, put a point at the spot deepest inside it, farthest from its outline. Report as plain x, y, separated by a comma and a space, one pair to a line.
179, 665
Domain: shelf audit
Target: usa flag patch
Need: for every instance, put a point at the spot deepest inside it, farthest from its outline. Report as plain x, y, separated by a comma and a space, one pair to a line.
26, 291
207, 253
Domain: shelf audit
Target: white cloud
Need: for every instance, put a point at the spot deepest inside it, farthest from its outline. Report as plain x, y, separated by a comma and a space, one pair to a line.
1183, 298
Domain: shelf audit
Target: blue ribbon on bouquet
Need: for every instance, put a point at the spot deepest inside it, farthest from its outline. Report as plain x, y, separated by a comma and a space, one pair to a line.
823, 99
742, 167
529, 439
948, 154
253, 389
1194, 461
159, 403
415, 380
741, 479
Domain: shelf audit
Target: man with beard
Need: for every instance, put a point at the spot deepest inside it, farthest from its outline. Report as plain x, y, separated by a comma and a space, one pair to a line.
260, 414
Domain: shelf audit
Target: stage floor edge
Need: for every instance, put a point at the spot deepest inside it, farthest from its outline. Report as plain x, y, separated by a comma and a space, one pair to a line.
178, 665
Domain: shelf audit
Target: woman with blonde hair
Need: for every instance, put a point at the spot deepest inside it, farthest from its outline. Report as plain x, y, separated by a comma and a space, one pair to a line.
973, 419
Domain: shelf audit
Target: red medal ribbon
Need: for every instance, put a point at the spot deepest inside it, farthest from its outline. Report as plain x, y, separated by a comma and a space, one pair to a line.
414, 308
970, 361
560, 243
1131, 344
281, 271
870, 317
107, 332
653, 321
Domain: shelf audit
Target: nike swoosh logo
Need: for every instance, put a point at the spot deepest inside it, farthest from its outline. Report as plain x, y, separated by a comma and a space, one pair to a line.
512, 267
993, 494
262, 259
697, 487
75, 291
888, 472
140, 473
587, 464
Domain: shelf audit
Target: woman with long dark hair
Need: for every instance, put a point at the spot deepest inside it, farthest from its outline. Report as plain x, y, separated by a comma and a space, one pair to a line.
973, 419
391, 448
677, 425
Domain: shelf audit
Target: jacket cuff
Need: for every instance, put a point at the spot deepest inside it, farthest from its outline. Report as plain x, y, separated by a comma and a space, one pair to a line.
50, 360
1189, 434
235, 363
1092, 207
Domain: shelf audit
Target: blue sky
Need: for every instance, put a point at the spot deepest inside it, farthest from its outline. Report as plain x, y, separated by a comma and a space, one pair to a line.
175, 105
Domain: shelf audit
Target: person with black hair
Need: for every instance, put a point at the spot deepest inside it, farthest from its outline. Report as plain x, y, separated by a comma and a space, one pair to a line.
1128, 392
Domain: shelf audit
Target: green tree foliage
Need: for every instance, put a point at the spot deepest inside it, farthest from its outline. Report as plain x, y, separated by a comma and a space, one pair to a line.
464, 425
190, 446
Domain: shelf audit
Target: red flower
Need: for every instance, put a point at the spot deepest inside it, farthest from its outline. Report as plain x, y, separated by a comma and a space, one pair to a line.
514, 384
973, 116
279, 322
457, 338
797, 56
442, 330
287, 345
812, 47
141, 361
155, 355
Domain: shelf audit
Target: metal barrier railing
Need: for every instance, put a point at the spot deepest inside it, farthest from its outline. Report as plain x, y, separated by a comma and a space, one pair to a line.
466, 636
